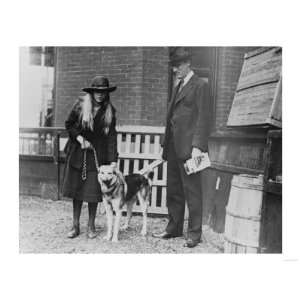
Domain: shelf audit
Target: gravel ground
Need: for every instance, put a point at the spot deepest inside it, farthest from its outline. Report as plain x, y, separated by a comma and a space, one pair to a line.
44, 225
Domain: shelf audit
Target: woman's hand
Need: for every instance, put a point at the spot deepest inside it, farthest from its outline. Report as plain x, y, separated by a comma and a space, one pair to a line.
83, 142
86, 145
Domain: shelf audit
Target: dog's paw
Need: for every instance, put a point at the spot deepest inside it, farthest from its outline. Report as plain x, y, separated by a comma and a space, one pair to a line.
124, 227
115, 240
107, 238
144, 232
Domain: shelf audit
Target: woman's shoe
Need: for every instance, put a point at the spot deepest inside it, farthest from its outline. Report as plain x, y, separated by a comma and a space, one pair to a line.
74, 232
190, 243
91, 234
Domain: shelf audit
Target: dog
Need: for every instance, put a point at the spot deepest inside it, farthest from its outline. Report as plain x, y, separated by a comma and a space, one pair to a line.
118, 191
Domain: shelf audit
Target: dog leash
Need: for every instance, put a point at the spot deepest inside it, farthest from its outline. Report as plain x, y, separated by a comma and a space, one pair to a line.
84, 171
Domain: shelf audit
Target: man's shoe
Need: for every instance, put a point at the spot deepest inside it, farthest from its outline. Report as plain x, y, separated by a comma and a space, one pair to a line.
165, 235
73, 233
192, 243
91, 234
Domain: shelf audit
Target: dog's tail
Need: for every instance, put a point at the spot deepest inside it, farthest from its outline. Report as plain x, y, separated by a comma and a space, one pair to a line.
146, 170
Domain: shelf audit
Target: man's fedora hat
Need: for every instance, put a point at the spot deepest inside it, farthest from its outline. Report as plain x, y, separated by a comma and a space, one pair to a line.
179, 55
99, 84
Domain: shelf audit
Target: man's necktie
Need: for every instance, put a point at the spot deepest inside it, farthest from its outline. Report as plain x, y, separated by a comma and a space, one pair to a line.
178, 87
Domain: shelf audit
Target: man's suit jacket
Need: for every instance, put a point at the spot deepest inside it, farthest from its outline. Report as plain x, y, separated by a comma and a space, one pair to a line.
189, 119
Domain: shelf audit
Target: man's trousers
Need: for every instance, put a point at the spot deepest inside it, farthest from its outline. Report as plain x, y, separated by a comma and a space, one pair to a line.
180, 188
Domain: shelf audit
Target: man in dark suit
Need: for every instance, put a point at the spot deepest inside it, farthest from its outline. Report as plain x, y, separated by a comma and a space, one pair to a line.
185, 137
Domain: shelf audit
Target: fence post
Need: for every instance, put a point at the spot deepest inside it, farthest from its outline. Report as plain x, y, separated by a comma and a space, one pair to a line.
56, 160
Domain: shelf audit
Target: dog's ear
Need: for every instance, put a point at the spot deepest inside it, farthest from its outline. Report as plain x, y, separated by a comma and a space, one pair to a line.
150, 175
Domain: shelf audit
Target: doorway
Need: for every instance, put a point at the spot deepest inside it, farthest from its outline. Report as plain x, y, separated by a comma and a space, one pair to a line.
204, 64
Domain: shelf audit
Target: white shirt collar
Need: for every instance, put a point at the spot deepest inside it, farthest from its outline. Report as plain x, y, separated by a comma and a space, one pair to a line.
186, 78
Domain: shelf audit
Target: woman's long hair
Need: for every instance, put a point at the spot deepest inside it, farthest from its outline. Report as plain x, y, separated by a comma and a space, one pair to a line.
87, 117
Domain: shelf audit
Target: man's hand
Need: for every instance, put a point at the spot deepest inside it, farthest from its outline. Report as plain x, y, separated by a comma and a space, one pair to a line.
160, 154
196, 152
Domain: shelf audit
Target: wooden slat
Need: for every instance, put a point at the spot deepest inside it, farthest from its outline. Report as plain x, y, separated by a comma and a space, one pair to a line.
126, 167
137, 145
141, 129
156, 144
254, 134
147, 144
234, 169
153, 196
164, 171
258, 51
276, 109
155, 177
258, 92
252, 106
138, 155
241, 155
127, 143
38, 130
260, 69
159, 182
145, 163
157, 210
135, 166
164, 197
119, 142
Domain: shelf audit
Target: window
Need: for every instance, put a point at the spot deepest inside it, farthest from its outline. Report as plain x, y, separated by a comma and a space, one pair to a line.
49, 56
42, 56
36, 56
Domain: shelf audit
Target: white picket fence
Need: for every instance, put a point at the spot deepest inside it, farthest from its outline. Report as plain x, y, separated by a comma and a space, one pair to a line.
138, 146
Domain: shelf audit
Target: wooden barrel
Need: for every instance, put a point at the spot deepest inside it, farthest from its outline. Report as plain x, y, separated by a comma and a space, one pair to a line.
243, 214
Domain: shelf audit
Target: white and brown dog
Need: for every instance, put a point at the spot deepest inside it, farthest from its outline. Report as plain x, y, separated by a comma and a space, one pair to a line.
118, 191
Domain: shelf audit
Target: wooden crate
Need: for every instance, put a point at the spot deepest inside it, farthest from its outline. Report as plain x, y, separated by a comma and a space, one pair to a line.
271, 235
238, 151
258, 100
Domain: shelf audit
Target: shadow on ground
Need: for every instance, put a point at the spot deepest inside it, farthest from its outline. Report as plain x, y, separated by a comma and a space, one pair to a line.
44, 225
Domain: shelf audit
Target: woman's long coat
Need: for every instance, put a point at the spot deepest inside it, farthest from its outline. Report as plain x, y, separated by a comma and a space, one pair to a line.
104, 144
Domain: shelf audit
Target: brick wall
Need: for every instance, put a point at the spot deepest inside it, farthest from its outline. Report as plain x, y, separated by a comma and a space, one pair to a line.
155, 85
228, 73
141, 75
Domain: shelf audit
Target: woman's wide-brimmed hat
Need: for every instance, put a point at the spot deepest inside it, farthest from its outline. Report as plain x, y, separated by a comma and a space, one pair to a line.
179, 55
99, 84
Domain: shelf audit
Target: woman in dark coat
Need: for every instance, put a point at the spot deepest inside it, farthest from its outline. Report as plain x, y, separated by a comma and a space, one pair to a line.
91, 125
